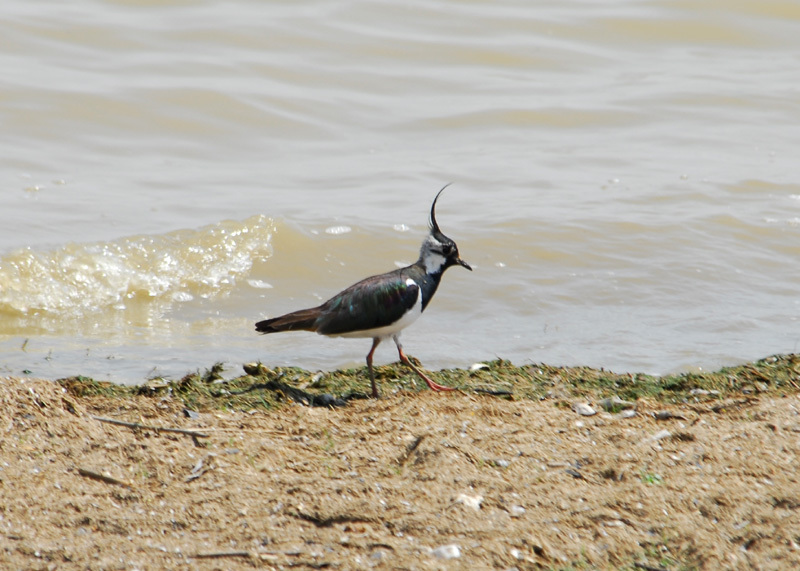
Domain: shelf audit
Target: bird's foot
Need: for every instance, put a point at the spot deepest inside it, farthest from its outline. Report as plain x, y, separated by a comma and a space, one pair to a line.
431, 383
436, 386
404, 359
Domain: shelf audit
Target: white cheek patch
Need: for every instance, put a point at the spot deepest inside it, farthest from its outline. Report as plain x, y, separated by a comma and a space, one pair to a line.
433, 262
432, 258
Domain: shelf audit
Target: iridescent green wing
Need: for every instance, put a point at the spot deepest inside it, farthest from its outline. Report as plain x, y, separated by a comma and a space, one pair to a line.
375, 302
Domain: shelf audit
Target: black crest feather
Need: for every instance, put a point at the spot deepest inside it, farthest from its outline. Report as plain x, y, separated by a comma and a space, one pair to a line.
434, 225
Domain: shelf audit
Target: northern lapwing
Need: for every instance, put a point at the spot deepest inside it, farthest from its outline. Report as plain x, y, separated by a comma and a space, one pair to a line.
380, 307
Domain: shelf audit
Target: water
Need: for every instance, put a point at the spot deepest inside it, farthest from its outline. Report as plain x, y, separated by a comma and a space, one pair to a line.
625, 179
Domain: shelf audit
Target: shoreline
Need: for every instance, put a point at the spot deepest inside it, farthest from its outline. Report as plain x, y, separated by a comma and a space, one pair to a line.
694, 471
257, 386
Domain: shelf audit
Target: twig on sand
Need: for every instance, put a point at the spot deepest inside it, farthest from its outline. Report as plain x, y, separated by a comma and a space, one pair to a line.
137, 426
103, 478
410, 449
223, 554
301, 396
200, 468
647, 567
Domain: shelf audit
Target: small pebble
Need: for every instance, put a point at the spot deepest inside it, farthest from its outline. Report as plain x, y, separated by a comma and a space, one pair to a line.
473, 502
478, 367
255, 369
703, 392
630, 413
190, 414
451, 551
378, 556
660, 435
574, 473
667, 415
615, 403
583, 409
516, 511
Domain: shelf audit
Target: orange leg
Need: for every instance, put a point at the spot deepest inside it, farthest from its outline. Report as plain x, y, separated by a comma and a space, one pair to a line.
375, 343
433, 385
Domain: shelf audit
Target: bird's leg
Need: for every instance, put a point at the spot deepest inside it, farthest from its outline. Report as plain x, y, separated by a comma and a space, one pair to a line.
375, 343
433, 385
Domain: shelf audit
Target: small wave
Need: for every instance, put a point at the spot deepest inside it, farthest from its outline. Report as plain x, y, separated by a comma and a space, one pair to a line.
167, 268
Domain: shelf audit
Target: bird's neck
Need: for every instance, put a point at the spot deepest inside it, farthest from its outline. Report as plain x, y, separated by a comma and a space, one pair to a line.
427, 274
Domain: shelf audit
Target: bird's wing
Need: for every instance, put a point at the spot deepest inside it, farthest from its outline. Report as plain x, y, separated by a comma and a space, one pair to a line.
375, 302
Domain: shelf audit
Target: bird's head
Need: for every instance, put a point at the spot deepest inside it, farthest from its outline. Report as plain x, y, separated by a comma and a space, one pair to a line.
439, 252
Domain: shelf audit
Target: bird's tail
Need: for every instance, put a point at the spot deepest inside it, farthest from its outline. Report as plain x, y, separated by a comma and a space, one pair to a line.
302, 320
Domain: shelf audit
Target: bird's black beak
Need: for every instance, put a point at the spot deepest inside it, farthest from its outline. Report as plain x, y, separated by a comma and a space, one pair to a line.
461, 262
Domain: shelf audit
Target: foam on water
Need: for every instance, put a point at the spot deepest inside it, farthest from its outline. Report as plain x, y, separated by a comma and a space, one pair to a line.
162, 270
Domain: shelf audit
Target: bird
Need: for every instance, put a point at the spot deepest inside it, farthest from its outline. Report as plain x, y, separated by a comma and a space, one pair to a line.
381, 306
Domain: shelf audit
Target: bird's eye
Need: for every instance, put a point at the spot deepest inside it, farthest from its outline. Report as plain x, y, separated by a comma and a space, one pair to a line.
447, 249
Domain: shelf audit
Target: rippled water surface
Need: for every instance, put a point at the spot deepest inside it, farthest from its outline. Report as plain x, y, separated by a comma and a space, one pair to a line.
625, 179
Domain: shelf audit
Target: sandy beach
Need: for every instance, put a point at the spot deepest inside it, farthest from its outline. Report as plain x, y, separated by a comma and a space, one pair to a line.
693, 477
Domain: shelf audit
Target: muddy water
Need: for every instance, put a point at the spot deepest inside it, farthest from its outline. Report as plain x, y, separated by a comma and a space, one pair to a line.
625, 179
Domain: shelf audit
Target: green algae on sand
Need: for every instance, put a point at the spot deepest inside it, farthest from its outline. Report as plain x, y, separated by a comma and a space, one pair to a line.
265, 387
